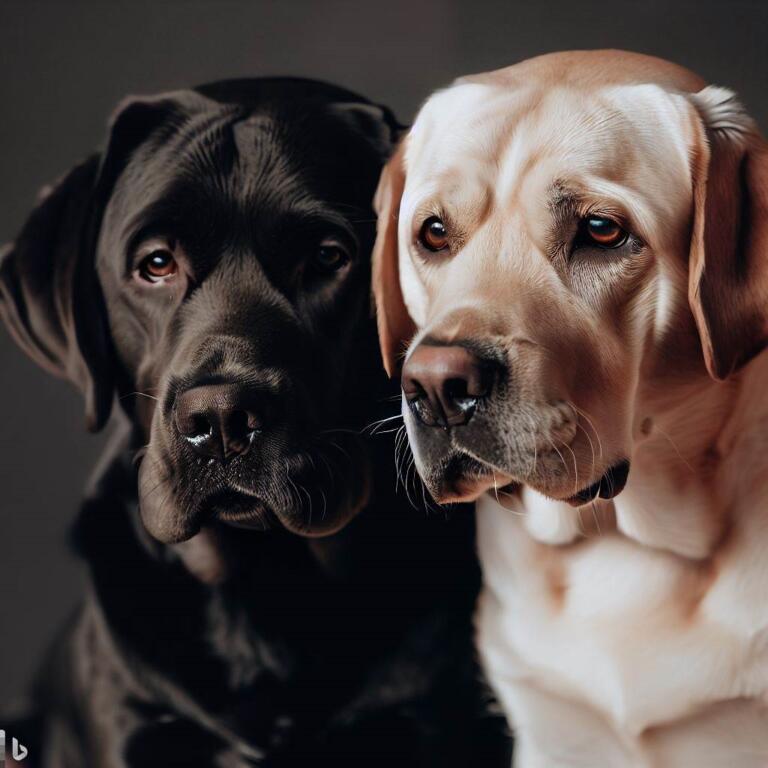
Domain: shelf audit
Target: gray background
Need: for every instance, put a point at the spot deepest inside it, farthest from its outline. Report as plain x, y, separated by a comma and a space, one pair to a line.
65, 64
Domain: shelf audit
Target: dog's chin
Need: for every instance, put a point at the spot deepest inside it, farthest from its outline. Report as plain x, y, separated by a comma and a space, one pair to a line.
607, 486
610, 484
460, 479
238, 510
309, 495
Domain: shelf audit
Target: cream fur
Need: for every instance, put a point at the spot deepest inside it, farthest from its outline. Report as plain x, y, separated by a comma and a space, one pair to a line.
631, 632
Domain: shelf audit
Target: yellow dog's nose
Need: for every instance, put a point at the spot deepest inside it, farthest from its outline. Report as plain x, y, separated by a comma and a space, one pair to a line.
443, 384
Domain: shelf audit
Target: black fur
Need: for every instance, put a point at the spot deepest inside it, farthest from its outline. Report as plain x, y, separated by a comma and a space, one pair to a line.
353, 649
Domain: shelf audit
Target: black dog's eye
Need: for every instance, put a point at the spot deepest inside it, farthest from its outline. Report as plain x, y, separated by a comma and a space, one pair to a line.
602, 232
433, 235
331, 256
157, 262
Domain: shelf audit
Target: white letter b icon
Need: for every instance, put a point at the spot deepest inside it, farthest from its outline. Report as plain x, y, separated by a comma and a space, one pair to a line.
18, 751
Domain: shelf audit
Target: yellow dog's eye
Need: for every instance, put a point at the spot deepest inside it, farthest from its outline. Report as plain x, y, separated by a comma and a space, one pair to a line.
603, 232
433, 234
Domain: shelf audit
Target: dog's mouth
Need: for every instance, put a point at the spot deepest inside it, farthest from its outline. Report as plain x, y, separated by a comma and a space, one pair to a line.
463, 478
309, 492
610, 485
238, 510
460, 478
555, 456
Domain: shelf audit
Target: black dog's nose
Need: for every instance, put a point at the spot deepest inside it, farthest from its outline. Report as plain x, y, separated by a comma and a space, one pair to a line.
218, 420
444, 384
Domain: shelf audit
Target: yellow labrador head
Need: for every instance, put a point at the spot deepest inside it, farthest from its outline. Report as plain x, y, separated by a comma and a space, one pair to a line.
556, 241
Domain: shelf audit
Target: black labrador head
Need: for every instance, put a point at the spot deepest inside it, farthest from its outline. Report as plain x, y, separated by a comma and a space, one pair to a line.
211, 267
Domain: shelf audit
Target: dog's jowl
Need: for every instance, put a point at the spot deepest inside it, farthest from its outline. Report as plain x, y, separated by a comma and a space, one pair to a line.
259, 594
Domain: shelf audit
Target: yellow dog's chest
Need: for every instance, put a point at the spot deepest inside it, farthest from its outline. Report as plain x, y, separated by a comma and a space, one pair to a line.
610, 648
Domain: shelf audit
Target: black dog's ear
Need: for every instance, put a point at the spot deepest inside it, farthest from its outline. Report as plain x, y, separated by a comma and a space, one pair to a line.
50, 297
376, 123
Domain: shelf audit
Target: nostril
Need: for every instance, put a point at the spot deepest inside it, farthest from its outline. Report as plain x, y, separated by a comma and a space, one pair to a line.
199, 426
413, 390
457, 389
474, 387
458, 400
238, 430
237, 423
243, 423
192, 424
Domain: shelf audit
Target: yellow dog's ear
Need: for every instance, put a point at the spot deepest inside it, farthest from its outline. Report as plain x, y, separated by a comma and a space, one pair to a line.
728, 267
395, 325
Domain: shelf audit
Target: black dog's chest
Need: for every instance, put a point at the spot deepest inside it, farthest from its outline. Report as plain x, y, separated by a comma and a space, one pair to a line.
278, 656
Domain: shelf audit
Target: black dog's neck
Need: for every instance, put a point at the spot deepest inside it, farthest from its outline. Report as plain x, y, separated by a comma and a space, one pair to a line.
294, 614
233, 646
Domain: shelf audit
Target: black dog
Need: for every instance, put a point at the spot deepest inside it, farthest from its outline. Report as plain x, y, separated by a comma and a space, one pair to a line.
211, 268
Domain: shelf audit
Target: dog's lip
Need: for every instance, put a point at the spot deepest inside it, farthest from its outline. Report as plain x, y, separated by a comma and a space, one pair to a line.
464, 492
234, 502
470, 479
242, 525
610, 485
237, 509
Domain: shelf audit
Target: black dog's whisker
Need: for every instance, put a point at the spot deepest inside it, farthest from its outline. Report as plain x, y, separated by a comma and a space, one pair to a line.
410, 470
139, 394
334, 444
375, 425
321, 455
338, 431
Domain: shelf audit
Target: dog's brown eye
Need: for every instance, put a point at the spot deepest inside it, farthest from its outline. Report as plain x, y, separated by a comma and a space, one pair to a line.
604, 232
157, 262
158, 265
330, 257
433, 235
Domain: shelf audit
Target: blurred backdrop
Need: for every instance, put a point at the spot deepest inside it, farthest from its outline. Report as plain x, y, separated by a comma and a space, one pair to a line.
64, 64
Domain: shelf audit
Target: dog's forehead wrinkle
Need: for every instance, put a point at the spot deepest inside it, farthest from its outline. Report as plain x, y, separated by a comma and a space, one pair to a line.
241, 277
194, 135
560, 194
262, 155
601, 136
211, 152
241, 161
464, 142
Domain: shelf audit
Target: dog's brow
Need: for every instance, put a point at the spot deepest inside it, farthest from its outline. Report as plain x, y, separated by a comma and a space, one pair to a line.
154, 219
562, 199
564, 203
322, 214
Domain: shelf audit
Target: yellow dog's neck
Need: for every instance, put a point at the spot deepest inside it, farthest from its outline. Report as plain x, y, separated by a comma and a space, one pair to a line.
700, 455
642, 622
